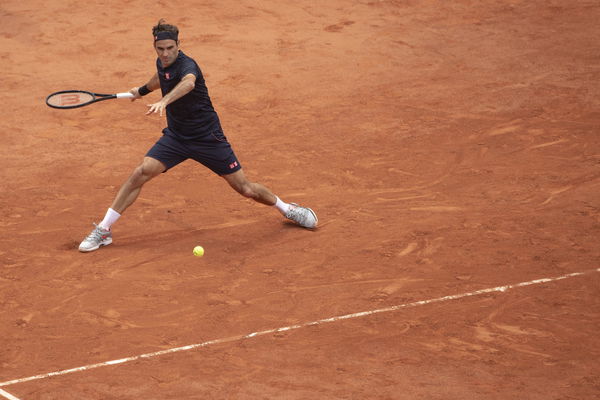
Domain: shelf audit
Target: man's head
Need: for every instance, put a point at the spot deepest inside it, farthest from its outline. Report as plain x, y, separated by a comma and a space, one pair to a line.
166, 42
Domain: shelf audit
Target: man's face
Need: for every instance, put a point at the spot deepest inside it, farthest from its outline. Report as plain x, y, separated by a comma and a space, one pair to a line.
167, 51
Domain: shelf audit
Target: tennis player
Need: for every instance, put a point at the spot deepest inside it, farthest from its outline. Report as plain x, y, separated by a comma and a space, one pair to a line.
193, 132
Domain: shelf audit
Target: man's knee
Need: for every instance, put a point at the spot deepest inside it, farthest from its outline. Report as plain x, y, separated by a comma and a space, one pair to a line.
147, 170
152, 167
243, 186
246, 190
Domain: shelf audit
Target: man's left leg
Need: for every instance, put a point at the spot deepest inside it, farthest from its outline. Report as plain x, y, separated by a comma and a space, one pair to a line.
303, 216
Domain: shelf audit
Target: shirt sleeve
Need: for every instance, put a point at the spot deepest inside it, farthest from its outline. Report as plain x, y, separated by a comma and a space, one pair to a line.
190, 67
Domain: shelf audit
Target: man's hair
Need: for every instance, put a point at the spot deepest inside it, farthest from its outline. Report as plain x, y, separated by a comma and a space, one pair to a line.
162, 26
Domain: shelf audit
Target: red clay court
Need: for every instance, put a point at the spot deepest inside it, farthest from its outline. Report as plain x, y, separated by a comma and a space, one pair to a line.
450, 149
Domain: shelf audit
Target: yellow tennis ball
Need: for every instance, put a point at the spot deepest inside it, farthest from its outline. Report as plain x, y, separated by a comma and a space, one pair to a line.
198, 251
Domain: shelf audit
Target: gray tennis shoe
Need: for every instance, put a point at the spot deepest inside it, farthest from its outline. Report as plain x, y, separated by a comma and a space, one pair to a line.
303, 216
98, 237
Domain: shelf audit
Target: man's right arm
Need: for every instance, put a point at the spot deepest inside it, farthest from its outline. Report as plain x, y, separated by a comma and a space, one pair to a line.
151, 85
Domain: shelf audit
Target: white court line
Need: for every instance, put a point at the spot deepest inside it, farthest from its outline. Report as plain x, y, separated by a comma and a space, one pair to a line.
292, 327
7, 395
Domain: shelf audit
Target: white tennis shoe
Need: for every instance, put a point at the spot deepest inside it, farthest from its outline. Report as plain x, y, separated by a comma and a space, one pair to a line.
98, 237
303, 216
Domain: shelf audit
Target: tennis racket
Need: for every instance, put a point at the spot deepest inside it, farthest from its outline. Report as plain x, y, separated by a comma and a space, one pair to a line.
78, 98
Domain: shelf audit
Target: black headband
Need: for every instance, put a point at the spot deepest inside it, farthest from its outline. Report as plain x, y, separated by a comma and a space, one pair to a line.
162, 35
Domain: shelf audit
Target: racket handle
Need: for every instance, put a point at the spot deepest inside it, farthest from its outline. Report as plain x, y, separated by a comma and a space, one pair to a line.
125, 95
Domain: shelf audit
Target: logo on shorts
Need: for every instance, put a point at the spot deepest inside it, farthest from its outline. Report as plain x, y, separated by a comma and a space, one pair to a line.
233, 165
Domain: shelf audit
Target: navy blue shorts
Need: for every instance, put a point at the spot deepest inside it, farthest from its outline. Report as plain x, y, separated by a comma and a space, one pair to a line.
213, 151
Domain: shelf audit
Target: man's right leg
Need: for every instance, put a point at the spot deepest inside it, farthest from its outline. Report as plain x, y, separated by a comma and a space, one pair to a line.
131, 189
128, 193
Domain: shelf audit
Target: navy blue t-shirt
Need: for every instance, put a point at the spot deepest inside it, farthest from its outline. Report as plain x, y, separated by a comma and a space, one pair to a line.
191, 116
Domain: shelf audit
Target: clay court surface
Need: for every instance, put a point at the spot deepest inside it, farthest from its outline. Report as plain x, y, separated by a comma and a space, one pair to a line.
447, 147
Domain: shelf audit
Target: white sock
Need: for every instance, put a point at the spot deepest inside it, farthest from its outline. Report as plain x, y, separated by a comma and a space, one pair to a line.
282, 206
110, 218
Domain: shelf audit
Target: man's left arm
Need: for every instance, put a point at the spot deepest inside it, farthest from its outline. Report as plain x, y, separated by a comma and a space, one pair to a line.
185, 86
